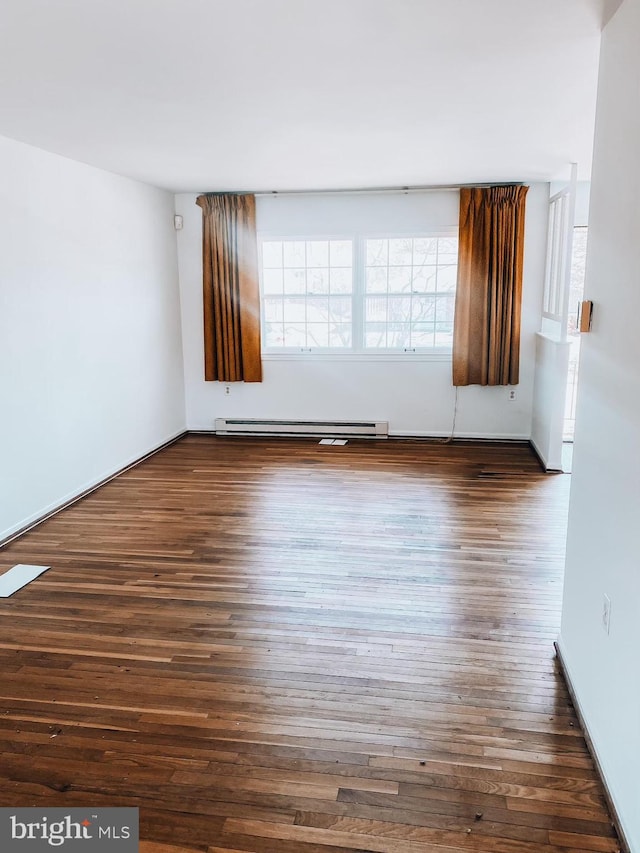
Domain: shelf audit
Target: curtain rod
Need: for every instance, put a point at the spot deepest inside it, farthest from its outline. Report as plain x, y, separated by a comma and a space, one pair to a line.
408, 189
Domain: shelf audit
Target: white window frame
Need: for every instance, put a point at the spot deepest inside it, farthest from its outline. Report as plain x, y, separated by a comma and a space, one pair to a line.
357, 352
450, 233
305, 351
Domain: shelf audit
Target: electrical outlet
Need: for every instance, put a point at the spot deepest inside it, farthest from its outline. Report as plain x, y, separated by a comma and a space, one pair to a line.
512, 394
227, 389
606, 613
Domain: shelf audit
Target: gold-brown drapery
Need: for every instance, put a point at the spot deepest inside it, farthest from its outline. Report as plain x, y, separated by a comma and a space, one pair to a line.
486, 336
230, 288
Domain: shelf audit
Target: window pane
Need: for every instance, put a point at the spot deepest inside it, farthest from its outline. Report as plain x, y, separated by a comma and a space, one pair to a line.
294, 253
401, 252
376, 280
318, 281
425, 250
340, 253
317, 335
294, 281
273, 334
272, 254
294, 310
340, 280
318, 253
399, 279
422, 335
340, 309
340, 335
447, 250
423, 327
272, 281
424, 279
317, 309
294, 335
447, 277
423, 308
376, 335
377, 253
399, 309
399, 335
376, 310
273, 310
445, 308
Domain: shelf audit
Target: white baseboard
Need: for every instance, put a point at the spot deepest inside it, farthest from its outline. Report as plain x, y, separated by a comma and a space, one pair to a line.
593, 749
467, 436
538, 453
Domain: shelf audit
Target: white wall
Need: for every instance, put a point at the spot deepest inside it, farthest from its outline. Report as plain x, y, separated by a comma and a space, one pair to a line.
583, 198
602, 554
415, 395
90, 341
549, 391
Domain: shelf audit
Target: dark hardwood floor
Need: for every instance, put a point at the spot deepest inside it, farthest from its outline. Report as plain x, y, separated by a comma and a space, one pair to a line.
281, 647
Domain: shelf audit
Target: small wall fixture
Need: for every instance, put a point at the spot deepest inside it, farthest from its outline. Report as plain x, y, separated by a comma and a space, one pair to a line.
178, 222
585, 313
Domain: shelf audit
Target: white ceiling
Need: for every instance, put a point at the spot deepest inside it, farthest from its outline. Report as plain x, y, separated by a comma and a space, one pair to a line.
197, 95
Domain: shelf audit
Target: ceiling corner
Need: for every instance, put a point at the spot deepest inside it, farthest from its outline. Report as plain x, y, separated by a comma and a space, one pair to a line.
609, 10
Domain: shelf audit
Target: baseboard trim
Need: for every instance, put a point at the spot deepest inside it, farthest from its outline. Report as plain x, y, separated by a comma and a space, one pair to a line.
537, 454
83, 494
541, 460
404, 436
460, 438
625, 846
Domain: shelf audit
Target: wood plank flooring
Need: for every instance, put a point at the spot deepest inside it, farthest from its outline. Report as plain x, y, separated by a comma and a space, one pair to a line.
272, 646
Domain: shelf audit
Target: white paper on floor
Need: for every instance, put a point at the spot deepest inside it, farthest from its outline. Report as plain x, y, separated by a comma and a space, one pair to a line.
326, 441
17, 577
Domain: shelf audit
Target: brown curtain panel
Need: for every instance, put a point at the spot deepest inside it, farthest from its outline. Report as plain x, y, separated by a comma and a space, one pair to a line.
486, 333
230, 288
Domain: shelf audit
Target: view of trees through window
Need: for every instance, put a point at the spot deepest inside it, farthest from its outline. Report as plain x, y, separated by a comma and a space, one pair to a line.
307, 288
362, 294
410, 286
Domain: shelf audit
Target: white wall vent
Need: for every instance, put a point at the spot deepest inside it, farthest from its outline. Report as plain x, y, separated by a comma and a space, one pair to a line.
251, 426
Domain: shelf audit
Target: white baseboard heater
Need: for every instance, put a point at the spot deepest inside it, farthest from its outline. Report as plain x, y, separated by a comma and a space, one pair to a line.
336, 429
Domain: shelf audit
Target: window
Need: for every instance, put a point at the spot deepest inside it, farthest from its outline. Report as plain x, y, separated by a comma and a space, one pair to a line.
364, 294
307, 294
410, 284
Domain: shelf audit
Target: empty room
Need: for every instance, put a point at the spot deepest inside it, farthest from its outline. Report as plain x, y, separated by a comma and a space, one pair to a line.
321, 403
